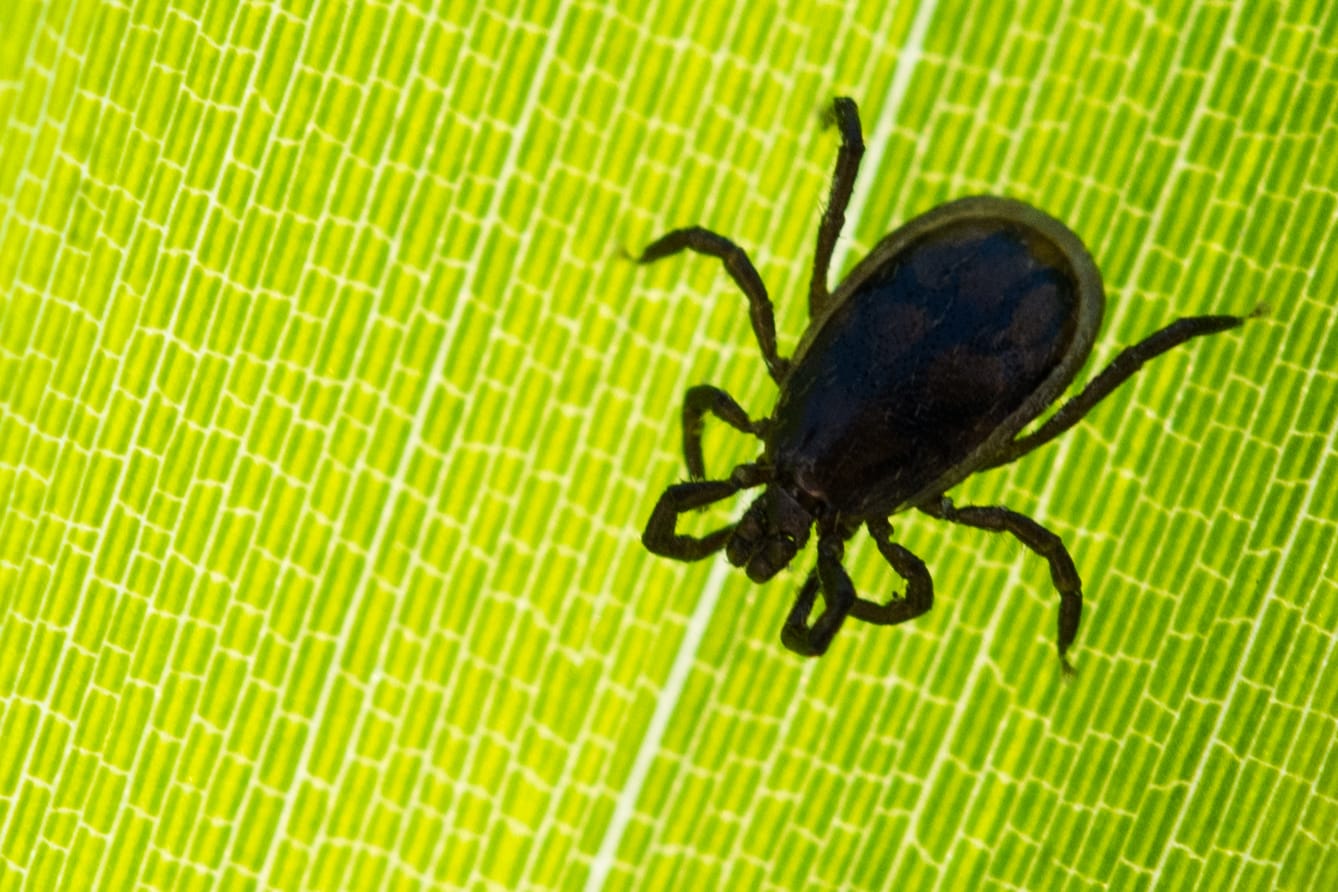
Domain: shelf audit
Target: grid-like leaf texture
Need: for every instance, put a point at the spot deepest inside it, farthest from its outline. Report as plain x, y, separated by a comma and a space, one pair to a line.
331, 411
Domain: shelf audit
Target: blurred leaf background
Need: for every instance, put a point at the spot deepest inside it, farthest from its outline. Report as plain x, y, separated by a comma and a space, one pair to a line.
331, 412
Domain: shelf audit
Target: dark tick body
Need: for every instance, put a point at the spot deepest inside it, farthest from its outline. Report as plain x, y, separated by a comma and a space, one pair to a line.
954, 333
941, 339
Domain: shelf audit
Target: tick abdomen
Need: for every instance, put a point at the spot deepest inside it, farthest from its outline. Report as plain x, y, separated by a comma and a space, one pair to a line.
924, 360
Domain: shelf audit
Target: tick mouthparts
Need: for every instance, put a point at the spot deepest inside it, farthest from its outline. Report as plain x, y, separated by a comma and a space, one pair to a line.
759, 570
770, 559
738, 551
763, 555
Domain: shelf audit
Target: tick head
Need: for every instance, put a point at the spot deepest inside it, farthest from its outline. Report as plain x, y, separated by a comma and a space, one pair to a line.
770, 533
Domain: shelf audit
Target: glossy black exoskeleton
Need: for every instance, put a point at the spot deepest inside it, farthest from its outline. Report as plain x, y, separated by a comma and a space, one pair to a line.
954, 333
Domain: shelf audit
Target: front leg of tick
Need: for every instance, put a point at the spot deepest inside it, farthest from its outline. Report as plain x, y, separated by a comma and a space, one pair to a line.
744, 274
661, 536
919, 595
838, 594
1039, 540
697, 402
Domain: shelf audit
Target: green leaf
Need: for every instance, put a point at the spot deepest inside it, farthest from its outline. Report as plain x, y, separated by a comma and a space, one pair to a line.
331, 412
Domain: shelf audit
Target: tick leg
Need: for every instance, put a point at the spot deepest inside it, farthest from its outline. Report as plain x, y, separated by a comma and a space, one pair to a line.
838, 593
696, 403
919, 595
845, 114
1130, 360
1042, 542
661, 536
741, 270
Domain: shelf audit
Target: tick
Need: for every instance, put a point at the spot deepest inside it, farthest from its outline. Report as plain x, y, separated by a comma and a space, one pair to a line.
919, 370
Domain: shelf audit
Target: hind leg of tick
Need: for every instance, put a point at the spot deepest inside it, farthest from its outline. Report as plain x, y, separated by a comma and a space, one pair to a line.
845, 115
1039, 540
1121, 369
